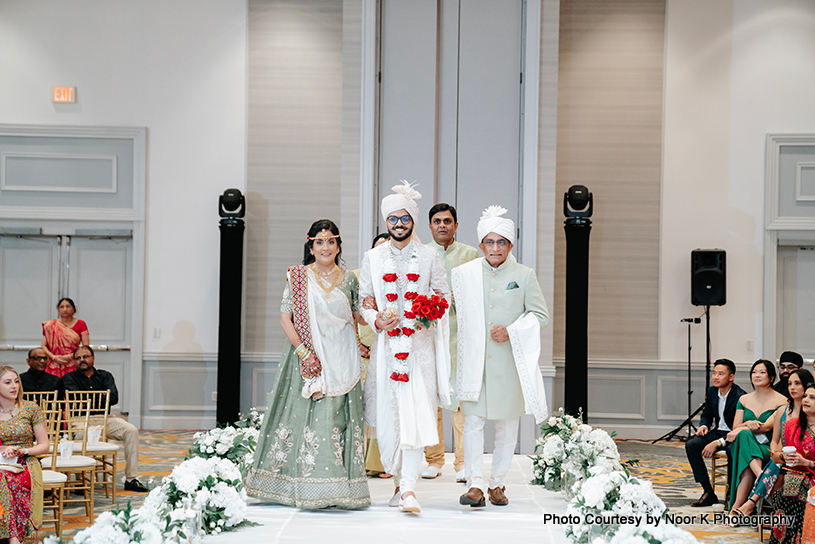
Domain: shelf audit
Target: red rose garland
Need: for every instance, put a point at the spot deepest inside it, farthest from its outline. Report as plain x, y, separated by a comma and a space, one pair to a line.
399, 339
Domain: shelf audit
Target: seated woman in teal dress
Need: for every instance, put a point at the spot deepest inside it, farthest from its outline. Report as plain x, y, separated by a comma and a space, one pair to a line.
311, 448
754, 419
798, 381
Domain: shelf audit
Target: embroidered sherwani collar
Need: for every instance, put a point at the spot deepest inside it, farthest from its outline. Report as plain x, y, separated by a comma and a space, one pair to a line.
405, 251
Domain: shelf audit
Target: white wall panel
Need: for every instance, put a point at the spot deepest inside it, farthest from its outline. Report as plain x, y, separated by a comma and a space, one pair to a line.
28, 270
100, 286
796, 301
489, 111
407, 134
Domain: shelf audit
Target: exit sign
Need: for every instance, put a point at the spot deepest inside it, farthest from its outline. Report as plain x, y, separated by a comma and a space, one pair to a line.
63, 94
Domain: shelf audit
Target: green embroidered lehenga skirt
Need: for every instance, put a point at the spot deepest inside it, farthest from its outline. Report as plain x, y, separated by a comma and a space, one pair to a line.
310, 454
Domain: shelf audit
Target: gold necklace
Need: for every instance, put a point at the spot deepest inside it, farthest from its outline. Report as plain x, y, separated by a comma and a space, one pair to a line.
4, 411
321, 276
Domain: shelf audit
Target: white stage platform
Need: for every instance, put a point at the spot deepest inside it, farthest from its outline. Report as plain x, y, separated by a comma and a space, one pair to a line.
442, 519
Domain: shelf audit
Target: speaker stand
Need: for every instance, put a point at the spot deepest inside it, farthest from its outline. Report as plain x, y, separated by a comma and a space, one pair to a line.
707, 348
688, 422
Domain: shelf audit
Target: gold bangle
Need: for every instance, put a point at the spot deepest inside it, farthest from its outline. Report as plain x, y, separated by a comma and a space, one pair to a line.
301, 351
304, 355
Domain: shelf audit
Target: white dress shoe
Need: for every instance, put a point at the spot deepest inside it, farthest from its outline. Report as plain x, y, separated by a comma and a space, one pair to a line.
395, 500
410, 505
460, 477
431, 472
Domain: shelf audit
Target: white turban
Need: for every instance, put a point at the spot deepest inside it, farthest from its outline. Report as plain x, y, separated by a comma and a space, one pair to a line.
404, 197
491, 221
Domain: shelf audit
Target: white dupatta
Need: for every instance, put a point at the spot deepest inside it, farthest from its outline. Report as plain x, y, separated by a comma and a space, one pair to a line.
334, 340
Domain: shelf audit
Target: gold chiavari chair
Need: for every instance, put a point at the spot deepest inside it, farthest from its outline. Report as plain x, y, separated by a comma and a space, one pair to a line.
104, 452
718, 471
53, 481
41, 398
78, 468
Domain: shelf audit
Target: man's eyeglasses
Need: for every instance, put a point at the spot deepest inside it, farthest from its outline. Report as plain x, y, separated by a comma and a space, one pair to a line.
83, 357
500, 243
405, 219
39, 358
788, 367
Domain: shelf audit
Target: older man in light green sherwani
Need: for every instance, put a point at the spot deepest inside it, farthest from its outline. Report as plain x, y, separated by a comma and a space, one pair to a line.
443, 226
500, 312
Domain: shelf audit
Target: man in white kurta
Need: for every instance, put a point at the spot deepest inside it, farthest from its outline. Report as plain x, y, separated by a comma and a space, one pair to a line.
402, 393
500, 313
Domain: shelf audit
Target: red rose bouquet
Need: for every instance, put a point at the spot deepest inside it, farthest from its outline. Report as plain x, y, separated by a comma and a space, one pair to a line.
429, 309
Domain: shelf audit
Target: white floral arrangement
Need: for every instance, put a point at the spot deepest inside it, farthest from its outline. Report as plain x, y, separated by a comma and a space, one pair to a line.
647, 534
614, 500
236, 444
585, 464
147, 525
213, 486
253, 419
202, 495
570, 451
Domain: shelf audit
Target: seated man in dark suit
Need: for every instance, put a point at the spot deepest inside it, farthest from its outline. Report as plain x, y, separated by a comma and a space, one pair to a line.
36, 379
717, 421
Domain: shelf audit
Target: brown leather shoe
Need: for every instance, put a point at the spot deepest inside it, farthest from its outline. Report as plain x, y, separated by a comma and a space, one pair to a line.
497, 496
707, 499
474, 497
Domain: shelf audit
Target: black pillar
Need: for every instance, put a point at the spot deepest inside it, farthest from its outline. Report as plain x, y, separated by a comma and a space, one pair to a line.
229, 311
578, 228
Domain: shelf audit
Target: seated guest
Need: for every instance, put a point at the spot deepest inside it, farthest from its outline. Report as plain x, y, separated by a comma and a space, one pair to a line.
717, 421
21, 423
755, 417
88, 378
788, 363
36, 379
789, 496
798, 381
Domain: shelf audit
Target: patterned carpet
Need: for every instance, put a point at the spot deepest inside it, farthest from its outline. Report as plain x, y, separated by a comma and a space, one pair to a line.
667, 467
664, 464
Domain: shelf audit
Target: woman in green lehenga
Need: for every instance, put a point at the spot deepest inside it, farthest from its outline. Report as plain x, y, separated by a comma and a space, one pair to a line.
311, 448
755, 416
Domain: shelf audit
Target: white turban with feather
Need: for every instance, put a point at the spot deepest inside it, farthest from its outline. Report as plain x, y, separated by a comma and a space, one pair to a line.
491, 221
404, 196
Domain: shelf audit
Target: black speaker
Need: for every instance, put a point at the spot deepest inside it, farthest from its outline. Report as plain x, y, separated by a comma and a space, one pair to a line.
708, 280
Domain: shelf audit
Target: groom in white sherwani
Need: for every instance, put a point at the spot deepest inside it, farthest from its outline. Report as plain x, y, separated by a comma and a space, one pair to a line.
409, 373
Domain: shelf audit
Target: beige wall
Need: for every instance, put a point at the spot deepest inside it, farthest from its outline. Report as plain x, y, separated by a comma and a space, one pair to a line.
609, 139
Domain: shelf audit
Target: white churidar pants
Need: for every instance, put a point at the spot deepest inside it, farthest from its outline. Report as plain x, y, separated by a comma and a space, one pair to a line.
411, 467
506, 437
